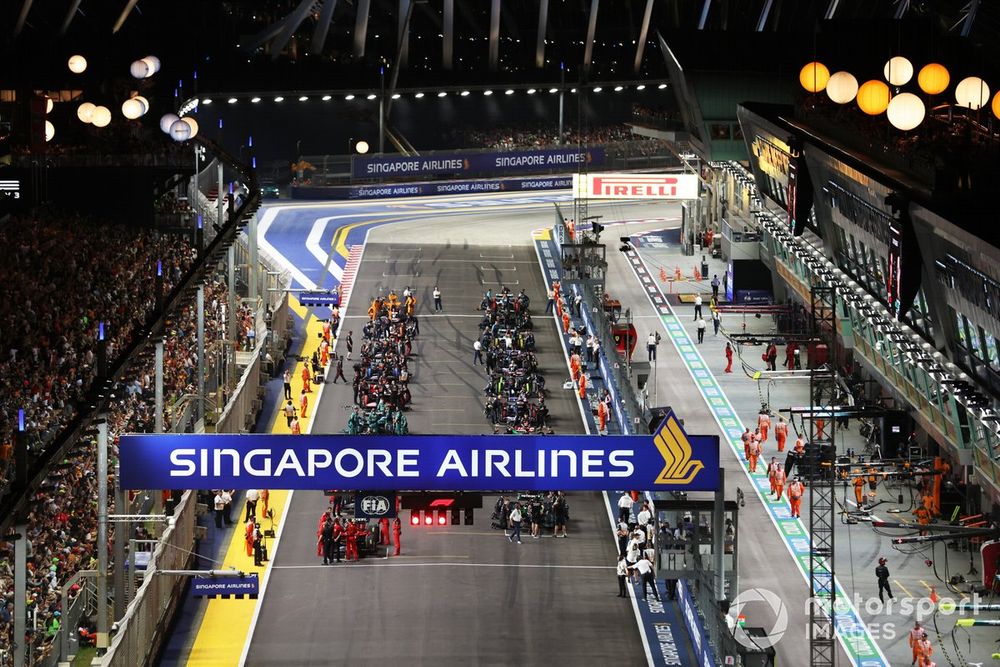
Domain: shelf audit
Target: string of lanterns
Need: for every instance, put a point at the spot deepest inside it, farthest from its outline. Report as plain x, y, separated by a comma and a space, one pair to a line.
133, 108
904, 111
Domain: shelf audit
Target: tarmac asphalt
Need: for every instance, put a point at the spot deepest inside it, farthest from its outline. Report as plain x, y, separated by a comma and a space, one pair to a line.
458, 595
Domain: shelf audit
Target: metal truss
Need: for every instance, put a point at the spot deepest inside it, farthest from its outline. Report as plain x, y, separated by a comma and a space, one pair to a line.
822, 500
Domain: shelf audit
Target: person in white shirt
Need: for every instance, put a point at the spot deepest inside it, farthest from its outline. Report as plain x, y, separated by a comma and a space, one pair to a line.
700, 323
651, 344
477, 356
622, 574
227, 501
220, 508
632, 553
643, 518
437, 300
645, 570
252, 496
515, 524
625, 507
697, 306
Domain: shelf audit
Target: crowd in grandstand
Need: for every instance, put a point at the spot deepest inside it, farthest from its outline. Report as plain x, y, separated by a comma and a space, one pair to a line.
64, 274
541, 135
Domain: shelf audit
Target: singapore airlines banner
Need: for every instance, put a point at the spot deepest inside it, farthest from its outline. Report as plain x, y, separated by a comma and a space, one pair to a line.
669, 460
490, 163
624, 185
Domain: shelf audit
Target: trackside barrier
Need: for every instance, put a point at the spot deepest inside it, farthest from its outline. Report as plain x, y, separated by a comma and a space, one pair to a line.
143, 628
694, 624
244, 403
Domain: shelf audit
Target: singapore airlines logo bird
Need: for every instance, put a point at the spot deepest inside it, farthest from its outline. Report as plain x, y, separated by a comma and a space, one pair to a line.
674, 447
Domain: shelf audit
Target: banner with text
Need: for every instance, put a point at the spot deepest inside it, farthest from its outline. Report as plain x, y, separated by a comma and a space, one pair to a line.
490, 162
627, 185
669, 460
430, 188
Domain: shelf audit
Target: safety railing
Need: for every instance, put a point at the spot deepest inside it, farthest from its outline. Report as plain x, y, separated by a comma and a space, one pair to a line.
612, 366
144, 625
245, 402
710, 636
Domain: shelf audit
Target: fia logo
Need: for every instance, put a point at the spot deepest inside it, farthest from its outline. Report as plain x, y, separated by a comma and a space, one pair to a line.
375, 505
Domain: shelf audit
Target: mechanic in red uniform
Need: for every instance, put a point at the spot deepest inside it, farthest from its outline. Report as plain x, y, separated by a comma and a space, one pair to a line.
352, 541
383, 530
397, 529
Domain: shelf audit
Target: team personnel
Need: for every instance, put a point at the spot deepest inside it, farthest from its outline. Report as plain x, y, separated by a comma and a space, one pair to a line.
756, 449
325, 541
781, 433
287, 379
772, 469
352, 541
779, 482
437, 299
306, 377
645, 570
625, 507
916, 635
729, 357
397, 530
252, 496
763, 423
339, 374
515, 524
882, 575
622, 575
795, 491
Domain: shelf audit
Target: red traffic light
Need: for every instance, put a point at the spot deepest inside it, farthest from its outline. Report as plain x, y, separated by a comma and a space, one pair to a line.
414, 518
442, 519
428, 520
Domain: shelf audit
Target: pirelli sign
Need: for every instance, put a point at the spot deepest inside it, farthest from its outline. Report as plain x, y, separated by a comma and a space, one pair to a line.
635, 186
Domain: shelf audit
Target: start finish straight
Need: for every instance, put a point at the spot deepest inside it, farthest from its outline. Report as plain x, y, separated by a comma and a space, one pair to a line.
401, 463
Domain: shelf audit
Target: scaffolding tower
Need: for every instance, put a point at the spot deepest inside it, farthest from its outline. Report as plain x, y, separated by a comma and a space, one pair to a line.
822, 501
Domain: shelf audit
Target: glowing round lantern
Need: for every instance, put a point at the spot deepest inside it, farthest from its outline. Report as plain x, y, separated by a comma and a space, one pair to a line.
101, 117
972, 93
842, 87
85, 112
132, 108
873, 97
167, 121
77, 64
905, 111
898, 70
180, 131
933, 79
193, 124
814, 77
